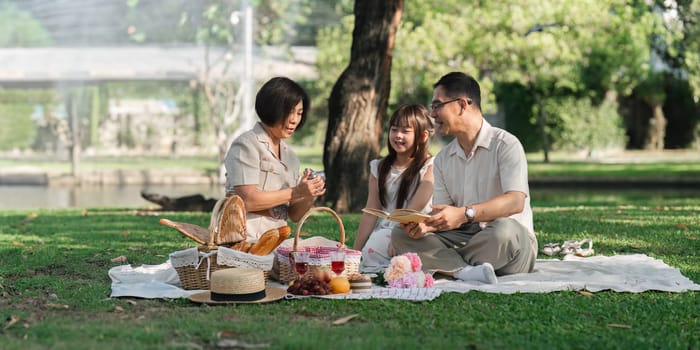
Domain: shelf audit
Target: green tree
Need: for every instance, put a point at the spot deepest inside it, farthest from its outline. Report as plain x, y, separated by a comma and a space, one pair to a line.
684, 53
576, 115
19, 29
17, 129
581, 49
155, 21
333, 55
689, 13
21, 113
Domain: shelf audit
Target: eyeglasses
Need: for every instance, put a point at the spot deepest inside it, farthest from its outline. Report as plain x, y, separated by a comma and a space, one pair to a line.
437, 105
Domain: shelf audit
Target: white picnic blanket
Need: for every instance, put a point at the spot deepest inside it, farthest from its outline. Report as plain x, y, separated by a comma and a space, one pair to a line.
147, 281
621, 273
411, 294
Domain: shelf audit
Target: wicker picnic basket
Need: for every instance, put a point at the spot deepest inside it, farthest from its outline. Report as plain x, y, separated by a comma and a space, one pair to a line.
319, 249
227, 224
195, 265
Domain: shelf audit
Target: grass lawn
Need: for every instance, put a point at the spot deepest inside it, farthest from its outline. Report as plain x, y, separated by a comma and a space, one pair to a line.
55, 290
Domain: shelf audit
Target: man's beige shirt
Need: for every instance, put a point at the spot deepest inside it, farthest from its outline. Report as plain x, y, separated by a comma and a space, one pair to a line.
495, 165
251, 161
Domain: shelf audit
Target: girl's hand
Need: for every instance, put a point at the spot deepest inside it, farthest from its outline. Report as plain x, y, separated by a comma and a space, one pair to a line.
416, 230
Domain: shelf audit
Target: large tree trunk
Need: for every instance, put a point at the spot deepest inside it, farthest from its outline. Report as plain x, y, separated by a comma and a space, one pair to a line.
358, 102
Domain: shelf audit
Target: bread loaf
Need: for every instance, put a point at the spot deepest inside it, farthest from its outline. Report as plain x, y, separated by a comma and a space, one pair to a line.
284, 231
243, 246
266, 244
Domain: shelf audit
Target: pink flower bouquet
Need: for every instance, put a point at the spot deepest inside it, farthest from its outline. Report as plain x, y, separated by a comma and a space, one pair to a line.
404, 271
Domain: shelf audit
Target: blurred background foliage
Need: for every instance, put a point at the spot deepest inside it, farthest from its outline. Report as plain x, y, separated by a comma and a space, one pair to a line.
588, 75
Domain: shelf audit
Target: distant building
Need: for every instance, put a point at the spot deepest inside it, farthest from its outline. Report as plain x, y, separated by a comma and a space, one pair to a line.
58, 67
142, 125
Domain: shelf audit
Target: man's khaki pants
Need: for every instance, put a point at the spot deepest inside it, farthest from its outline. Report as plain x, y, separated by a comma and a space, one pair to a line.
504, 243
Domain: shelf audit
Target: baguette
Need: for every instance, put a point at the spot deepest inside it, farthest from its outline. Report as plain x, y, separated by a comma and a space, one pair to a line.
284, 231
266, 244
243, 246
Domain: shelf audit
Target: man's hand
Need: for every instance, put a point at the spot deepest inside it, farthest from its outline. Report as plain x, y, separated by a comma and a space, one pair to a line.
446, 218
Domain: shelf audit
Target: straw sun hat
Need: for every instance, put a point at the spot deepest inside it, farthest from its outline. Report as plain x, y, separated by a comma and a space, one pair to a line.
238, 285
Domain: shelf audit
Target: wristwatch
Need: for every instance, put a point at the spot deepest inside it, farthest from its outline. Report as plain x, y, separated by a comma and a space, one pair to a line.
470, 213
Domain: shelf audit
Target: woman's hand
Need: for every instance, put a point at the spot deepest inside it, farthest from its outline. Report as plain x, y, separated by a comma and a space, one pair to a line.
309, 188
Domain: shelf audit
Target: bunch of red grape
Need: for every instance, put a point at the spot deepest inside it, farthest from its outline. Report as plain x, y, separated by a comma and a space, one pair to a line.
309, 285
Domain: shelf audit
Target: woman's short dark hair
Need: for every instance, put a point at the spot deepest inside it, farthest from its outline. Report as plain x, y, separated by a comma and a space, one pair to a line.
458, 84
277, 98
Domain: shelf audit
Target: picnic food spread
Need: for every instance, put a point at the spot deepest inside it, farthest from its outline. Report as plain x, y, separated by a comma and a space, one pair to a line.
305, 268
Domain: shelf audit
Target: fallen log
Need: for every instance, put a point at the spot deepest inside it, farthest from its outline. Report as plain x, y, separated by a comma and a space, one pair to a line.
196, 202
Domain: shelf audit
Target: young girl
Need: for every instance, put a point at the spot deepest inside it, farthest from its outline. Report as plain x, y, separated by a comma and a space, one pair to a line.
403, 179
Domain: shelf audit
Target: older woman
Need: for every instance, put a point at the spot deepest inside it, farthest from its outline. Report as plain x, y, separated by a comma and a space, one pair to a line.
263, 170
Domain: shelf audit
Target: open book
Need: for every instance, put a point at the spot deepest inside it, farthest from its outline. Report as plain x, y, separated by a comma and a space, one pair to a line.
399, 215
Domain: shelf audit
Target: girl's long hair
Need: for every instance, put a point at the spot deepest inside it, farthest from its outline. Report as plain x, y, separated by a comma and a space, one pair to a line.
417, 117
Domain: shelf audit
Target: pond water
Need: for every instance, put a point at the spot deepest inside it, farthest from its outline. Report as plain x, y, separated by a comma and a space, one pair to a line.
53, 197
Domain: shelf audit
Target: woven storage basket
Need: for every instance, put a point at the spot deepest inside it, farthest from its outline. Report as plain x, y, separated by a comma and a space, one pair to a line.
195, 265
319, 254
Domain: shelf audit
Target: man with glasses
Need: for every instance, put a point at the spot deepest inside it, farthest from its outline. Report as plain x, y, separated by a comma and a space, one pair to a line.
481, 225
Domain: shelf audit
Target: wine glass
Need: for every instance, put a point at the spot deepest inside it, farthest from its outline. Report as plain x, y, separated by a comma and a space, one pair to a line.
301, 262
337, 261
